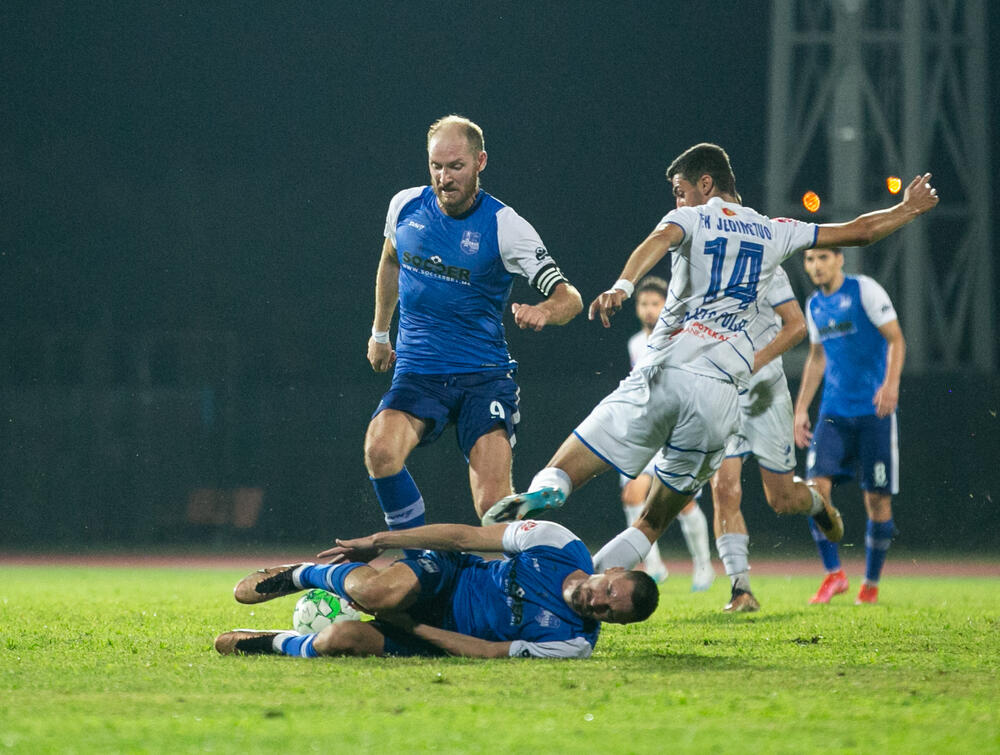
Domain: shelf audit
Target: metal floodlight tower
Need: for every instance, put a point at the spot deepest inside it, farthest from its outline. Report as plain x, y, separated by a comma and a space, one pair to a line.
865, 89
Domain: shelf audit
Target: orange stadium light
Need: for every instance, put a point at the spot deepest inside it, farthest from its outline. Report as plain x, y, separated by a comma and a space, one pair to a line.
893, 184
810, 200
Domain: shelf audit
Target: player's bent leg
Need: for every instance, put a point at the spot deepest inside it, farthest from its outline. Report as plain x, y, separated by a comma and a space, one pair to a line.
490, 463
628, 548
354, 638
633, 501
393, 588
784, 493
571, 467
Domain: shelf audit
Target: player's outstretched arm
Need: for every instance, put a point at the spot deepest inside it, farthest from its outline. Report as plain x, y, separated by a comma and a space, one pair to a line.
640, 262
562, 306
918, 198
441, 537
380, 353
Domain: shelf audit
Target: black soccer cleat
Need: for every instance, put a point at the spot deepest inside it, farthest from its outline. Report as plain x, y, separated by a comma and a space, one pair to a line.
247, 642
266, 584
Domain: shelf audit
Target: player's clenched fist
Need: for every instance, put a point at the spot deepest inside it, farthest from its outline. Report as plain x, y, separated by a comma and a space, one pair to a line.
381, 355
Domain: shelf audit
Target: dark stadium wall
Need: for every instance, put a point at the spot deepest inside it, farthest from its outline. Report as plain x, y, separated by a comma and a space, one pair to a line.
123, 468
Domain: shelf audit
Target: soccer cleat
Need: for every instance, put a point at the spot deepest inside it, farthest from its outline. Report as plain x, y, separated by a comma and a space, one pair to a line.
834, 584
247, 642
829, 520
868, 594
742, 601
703, 577
523, 505
266, 584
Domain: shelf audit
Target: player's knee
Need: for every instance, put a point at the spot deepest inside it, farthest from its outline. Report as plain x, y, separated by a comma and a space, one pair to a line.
784, 501
381, 457
374, 596
340, 638
727, 494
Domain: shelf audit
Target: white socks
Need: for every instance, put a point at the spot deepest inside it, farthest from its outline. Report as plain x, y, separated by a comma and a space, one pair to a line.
552, 477
694, 526
653, 561
626, 549
734, 550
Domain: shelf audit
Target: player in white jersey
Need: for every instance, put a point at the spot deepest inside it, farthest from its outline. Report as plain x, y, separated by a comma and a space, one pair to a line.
680, 403
650, 296
766, 432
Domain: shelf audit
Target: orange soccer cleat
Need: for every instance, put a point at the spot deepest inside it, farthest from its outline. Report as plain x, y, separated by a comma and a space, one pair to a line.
834, 584
868, 594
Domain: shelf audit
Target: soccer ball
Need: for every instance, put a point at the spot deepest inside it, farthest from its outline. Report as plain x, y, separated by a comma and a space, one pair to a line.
318, 609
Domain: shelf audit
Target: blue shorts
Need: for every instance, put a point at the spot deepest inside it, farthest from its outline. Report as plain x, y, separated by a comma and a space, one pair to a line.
438, 573
475, 403
866, 447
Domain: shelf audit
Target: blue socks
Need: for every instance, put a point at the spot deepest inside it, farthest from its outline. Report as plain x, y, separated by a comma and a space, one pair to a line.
400, 500
328, 577
878, 538
299, 645
827, 550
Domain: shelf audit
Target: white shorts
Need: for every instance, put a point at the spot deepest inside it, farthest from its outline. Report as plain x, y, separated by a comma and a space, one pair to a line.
681, 418
766, 427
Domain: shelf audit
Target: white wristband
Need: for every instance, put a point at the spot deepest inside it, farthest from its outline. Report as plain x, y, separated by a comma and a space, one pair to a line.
624, 285
380, 336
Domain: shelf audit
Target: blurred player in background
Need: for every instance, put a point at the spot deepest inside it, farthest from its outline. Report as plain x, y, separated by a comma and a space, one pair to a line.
680, 403
542, 600
857, 351
450, 256
765, 424
650, 296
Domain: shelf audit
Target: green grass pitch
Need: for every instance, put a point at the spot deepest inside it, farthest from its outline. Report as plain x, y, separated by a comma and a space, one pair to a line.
121, 660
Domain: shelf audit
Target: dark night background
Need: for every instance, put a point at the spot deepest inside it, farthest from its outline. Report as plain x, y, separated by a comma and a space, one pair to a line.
192, 199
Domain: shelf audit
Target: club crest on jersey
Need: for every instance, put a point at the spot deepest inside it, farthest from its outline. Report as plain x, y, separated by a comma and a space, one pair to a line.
728, 212
470, 242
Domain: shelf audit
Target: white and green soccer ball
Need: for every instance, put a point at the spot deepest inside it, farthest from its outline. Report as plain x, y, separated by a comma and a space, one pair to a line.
318, 609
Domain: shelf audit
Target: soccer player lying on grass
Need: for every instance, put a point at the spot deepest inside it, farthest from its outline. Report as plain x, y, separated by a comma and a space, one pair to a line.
541, 600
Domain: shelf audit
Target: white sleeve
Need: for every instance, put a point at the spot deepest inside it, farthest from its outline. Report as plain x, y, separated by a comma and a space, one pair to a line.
781, 288
684, 218
810, 324
793, 235
578, 647
519, 536
876, 302
395, 205
523, 252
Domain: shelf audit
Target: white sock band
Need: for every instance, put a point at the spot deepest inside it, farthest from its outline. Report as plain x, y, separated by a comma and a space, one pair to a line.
626, 549
552, 477
734, 551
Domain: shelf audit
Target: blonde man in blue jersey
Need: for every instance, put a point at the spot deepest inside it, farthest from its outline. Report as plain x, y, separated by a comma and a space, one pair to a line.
450, 257
681, 402
857, 351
